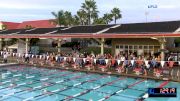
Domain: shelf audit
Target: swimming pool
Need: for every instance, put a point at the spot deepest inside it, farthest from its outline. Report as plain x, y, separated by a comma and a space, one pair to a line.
25, 83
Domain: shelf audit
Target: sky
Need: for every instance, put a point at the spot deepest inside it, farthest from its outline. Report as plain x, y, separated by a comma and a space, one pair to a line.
133, 11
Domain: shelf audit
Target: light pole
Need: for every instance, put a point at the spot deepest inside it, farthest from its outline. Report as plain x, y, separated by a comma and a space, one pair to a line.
146, 14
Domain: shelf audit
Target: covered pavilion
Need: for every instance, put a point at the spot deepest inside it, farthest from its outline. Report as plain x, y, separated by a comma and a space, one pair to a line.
126, 37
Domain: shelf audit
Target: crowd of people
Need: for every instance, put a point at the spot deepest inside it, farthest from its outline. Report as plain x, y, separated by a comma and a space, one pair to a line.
121, 63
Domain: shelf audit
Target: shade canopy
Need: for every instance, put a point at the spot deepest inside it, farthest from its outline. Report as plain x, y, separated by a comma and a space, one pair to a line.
135, 30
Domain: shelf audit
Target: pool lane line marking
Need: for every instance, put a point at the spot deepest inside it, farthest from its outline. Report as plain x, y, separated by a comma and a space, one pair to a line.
30, 98
146, 95
29, 77
119, 91
97, 87
163, 84
16, 81
68, 87
35, 88
6, 95
30, 87
6, 81
61, 89
136, 83
65, 74
56, 76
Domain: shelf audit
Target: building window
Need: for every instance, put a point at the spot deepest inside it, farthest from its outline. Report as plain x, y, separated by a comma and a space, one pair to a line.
117, 46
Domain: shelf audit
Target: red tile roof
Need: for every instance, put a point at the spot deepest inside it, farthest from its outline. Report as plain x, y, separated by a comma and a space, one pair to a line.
37, 24
10, 25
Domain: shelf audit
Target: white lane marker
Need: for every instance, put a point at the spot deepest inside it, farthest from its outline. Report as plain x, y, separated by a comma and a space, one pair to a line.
96, 87
17, 75
21, 84
28, 77
60, 81
119, 91
28, 99
37, 87
77, 84
6, 82
8, 95
44, 79
56, 90
76, 95
101, 99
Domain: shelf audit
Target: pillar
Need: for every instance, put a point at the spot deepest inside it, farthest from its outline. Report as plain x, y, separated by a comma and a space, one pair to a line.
162, 43
27, 41
1, 41
102, 46
59, 45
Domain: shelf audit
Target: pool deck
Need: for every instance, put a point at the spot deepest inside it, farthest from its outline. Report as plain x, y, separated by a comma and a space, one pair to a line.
96, 71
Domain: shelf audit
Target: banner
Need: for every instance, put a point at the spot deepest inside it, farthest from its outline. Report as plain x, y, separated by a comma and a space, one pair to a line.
95, 61
132, 62
65, 58
118, 61
84, 60
162, 63
146, 63
106, 60
74, 59
56, 58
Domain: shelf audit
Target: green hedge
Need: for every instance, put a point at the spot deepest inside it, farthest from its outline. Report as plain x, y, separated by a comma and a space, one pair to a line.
95, 50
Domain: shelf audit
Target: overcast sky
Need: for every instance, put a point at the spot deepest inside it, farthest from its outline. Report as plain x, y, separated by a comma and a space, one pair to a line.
132, 10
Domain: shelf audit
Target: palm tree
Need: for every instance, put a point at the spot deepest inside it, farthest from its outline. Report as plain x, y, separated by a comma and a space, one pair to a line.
116, 14
76, 20
90, 8
108, 18
81, 14
68, 18
59, 18
99, 21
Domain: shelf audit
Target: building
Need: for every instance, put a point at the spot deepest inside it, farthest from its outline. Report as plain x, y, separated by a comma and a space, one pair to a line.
30, 24
37, 24
8, 25
140, 38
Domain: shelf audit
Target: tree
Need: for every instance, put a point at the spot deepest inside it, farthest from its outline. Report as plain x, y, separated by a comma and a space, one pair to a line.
68, 18
108, 18
4, 27
59, 18
90, 8
99, 21
116, 13
81, 14
76, 20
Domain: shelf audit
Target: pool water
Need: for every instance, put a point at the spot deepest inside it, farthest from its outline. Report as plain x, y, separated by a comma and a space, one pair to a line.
25, 83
